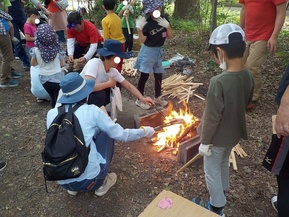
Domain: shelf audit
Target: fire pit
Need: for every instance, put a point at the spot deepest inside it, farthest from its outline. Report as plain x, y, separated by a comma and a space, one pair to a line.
175, 131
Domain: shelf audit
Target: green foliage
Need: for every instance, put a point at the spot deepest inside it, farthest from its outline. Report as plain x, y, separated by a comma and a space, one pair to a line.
283, 51
183, 25
227, 15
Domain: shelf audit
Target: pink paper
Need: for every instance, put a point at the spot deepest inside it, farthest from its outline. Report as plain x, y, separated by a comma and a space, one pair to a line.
165, 203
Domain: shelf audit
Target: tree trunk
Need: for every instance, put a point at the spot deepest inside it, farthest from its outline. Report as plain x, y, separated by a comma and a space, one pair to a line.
187, 9
214, 14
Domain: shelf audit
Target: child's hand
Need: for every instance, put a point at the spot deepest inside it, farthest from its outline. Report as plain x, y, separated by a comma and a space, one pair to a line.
140, 22
163, 22
148, 131
205, 150
32, 52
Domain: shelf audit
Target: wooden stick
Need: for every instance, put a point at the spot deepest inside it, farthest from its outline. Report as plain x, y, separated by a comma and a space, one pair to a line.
234, 160
189, 163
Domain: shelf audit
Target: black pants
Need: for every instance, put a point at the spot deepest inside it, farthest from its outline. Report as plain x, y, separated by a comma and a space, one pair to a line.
283, 196
158, 83
128, 38
99, 98
53, 90
80, 51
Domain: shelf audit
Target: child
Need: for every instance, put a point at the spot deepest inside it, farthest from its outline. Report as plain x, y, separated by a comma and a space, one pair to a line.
4, 4
48, 56
103, 71
30, 28
126, 11
111, 25
224, 120
152, 33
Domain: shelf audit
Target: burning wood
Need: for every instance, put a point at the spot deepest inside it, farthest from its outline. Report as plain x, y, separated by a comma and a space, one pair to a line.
177, 127
181, 87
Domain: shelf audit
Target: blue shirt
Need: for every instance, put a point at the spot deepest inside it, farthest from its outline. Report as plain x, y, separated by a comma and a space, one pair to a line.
93, 120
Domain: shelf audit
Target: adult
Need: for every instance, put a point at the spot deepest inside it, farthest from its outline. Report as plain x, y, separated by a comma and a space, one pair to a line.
6, 55
280, 202
82, 38
99, 132
262, 22
58, 19
19, 18
103, 71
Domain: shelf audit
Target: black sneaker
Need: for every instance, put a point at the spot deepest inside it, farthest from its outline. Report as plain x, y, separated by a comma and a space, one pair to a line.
2, 165
274, 203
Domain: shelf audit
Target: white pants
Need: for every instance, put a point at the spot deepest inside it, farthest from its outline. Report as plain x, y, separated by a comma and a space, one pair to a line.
216, 169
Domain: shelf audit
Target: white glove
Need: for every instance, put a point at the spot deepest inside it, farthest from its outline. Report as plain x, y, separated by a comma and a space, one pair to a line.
205, 150
130, 8
32, 52
125, 7
163, 22
140, 22
148, 131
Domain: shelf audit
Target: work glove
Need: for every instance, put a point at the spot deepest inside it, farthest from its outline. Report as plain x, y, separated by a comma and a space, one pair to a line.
148, 131
205, 150
163, 22
140, 22
128, 7
32, 52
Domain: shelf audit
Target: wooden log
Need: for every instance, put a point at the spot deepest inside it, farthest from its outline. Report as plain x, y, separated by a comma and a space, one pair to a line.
189, 163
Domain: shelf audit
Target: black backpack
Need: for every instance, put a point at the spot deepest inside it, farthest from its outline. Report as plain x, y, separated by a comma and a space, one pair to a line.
65, 155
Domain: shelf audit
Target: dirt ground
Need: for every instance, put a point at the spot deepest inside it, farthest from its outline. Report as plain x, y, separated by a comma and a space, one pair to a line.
142, 172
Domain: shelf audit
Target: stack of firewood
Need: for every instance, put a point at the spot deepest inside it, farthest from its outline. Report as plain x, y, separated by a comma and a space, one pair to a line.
181, 87
127, 67
240, 151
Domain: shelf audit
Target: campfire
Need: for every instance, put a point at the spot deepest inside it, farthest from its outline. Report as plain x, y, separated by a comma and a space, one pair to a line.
177, 127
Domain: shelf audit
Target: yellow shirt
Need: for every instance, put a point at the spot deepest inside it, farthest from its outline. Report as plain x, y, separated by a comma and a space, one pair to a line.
111, 26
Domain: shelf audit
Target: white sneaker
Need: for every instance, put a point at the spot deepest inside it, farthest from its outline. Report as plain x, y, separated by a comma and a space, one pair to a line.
274, 203
161, 101
73, 193
108, 183
142, 105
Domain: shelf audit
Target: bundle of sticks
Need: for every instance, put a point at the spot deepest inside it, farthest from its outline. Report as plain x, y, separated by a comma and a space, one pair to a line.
181, 87
240, 151
127, 67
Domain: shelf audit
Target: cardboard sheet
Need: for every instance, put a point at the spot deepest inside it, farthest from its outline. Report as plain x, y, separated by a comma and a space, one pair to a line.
181, 207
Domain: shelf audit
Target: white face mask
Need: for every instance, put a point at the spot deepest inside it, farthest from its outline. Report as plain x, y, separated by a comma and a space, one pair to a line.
223, 64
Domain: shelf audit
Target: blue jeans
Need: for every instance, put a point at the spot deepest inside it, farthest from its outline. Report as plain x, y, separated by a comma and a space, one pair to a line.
61, 37
19, 50
105, 146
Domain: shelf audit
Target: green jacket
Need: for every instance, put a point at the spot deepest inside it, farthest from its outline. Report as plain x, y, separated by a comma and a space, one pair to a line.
224, 121
131, 21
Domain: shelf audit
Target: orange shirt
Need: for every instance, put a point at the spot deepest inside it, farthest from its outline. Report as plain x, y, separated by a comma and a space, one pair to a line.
260, 18
52, 7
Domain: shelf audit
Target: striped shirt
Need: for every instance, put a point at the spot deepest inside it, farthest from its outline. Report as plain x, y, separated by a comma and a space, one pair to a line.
5, 16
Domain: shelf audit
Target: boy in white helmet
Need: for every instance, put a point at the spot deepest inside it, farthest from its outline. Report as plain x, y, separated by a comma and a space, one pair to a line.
224, 120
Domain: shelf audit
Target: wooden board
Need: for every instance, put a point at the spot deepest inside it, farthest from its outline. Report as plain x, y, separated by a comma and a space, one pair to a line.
181, 207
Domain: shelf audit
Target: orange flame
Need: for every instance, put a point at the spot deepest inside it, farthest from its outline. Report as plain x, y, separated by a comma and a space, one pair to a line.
168, 137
